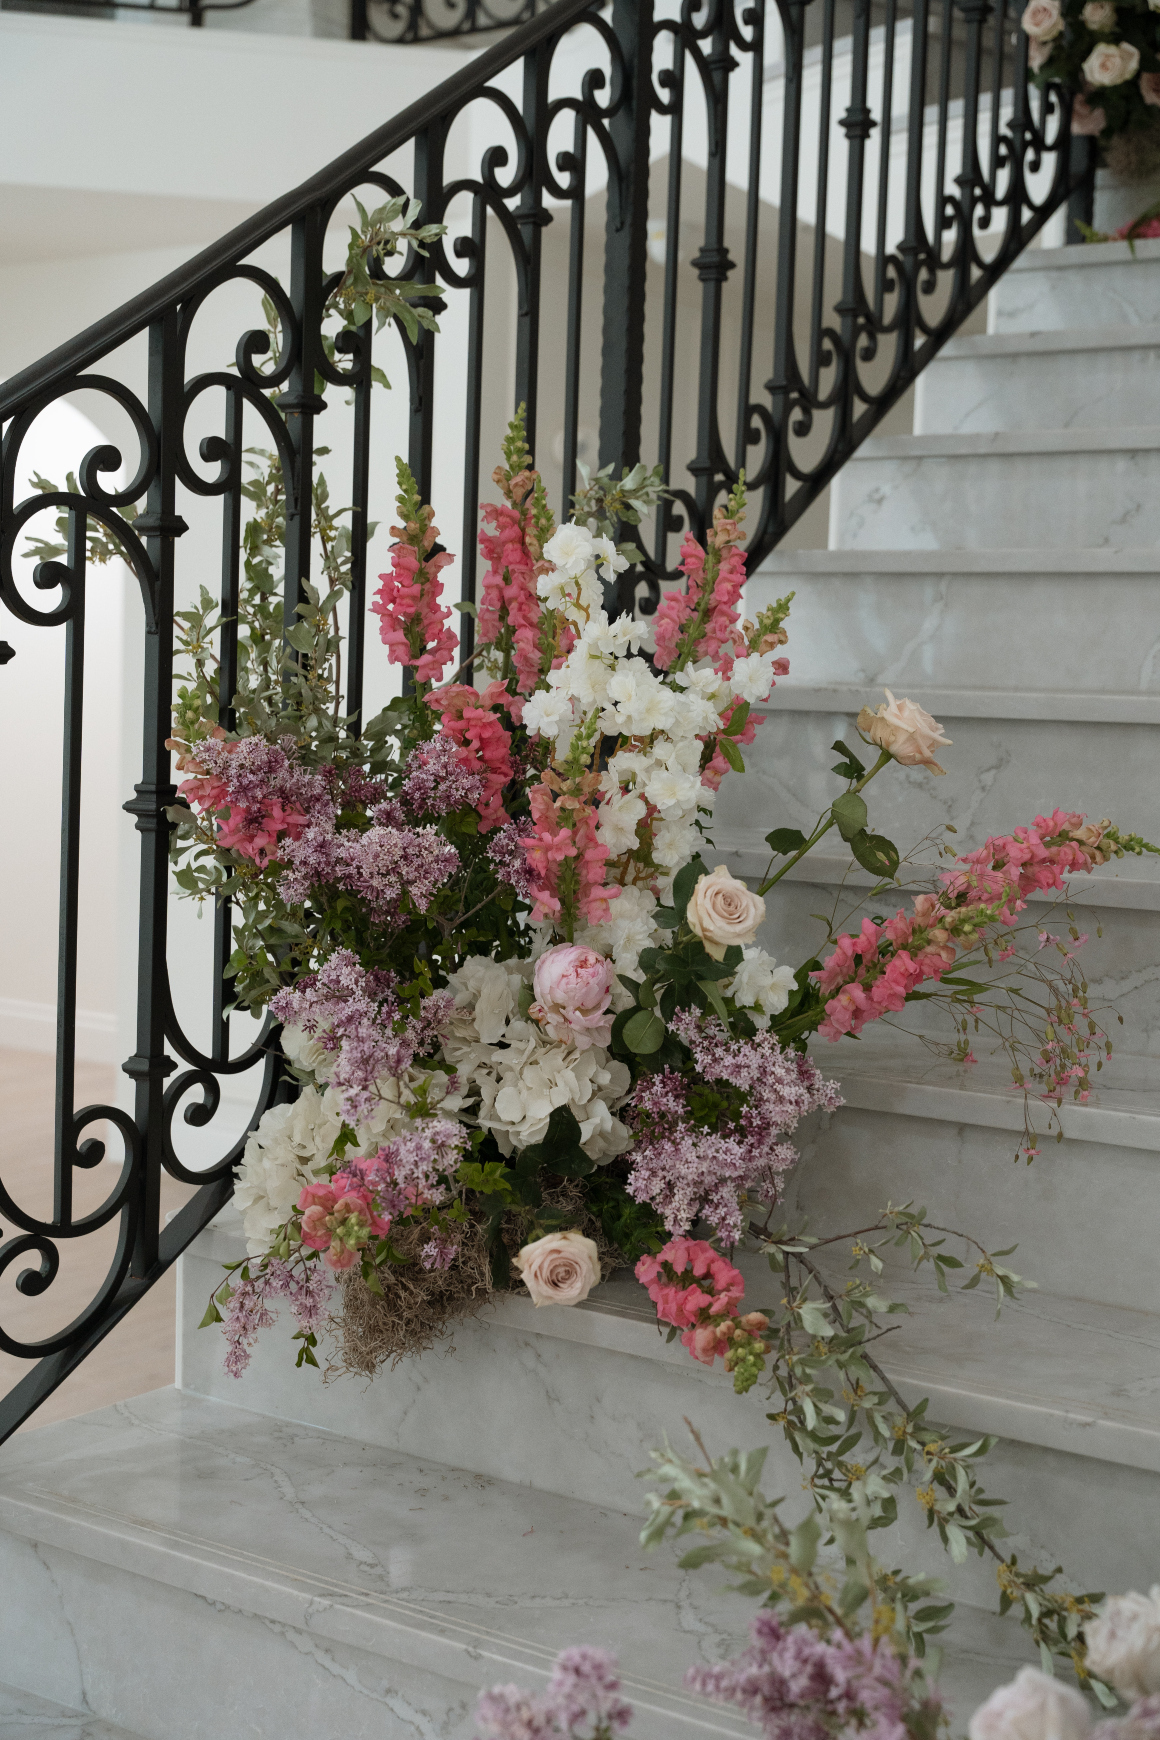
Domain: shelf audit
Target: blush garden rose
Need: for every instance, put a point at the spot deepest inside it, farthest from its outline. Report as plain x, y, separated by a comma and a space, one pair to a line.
559, 1269
723, 912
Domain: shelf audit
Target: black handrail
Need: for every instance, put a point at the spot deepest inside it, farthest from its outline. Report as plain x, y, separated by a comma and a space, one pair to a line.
776, 339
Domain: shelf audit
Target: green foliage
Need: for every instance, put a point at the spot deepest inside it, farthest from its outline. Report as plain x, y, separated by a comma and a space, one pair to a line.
101, 544
365, 290
606, 504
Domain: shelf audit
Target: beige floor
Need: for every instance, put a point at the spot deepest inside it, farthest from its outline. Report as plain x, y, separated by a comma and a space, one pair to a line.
138, 1354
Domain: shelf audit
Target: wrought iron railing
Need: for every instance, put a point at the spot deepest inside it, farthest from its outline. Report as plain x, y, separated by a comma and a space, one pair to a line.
674, 234
391, 21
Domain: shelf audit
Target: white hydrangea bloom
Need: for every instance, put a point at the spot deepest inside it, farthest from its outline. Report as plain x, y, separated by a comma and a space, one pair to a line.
759, 983
306, 1053
628, 929
289, 1148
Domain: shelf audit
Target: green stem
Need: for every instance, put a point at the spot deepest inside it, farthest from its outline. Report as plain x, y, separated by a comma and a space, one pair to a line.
823, 827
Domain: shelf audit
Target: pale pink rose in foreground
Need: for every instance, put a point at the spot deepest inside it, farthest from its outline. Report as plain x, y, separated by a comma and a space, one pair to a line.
1150, 89
1033, 1707
1099, 15
1042, 19
722, 912
1038, 54
1086, 121
1123, 1643
1111, 63
573, 987
906, 731
561, 1269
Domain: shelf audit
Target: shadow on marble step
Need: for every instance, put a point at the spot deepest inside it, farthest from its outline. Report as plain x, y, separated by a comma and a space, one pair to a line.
24, 1716
280, 1579
1099, 378
907, 618
1095, 488
1048, 288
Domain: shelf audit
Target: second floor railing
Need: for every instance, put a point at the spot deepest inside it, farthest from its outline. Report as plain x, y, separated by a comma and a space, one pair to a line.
706, 237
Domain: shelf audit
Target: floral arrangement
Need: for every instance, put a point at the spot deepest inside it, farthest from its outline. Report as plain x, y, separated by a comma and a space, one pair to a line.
527, 1033
1107, 54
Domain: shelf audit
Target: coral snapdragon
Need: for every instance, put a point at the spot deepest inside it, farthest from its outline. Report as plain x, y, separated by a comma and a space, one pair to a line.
257, 793
413, 624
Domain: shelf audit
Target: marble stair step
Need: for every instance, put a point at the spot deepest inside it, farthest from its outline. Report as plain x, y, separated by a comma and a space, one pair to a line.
193, 1568
1100, 377
965, 619
23, 1716
1049, 288
1095, 488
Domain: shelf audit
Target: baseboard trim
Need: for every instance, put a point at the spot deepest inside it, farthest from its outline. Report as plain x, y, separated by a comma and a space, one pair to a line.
26, 1026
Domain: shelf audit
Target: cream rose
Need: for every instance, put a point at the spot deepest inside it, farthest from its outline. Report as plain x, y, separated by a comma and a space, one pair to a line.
722, 912
906, 731
1033, 1707
1123, 1643
1111, 63
561, 1269
1042, 20
1099, 15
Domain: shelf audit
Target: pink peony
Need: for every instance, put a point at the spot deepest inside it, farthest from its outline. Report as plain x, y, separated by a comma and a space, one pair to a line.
573, 987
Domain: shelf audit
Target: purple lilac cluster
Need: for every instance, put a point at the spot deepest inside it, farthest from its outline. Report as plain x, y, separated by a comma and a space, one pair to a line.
383, 865
508, 858
439, 1252
255, 772
355, 1015
582, 1700
407, 1170
438, 778
795, 1685
306, 1290
1141, 1723
687, 1172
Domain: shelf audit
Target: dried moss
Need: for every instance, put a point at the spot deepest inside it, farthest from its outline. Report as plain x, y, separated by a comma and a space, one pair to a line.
418, 1306
1135, 155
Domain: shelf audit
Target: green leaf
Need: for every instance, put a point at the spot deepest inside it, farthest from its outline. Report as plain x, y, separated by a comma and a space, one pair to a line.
731, 753
874, 852
716, 1001
738, 720
803, 1543
212, 1315
684, 883
850, 767
785, 840
850, 813
644, 1032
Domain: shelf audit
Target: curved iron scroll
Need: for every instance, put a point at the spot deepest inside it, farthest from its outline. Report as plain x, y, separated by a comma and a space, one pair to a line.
713, 234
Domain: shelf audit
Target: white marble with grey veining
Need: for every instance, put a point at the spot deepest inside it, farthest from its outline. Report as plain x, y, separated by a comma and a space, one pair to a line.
1094, 379
1078, 287
1059, 489
24, 1716
1009, 621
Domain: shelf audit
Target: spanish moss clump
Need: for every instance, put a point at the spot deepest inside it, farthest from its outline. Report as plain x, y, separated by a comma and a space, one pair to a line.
417, 1305
1135, 154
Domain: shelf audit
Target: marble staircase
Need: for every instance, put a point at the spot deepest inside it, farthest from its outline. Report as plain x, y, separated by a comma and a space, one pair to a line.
285, 1553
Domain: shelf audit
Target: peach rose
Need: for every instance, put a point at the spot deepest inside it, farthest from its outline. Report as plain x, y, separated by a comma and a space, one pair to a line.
1111, 63
1042, 20
906, 731
1099, 15
560, 1269
1086, 122
722, 912
1123, 1643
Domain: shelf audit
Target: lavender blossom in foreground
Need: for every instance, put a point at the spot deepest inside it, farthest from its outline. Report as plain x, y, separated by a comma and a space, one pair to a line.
438, 779
354, 1014
306, 1289
582, 1701
385, 865
1141, 1723
687, 1171
795, 1685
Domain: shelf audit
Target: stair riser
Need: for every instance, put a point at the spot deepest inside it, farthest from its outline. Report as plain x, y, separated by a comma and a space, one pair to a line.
1101, 500
1086, 389
1084, 1215
999, 773
915, 630
1109, 287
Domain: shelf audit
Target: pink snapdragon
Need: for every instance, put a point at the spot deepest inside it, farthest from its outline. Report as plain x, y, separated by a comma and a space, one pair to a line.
567, 860
702, 620
687, 1277
339, 1220
468, 718
509, 601
412, 621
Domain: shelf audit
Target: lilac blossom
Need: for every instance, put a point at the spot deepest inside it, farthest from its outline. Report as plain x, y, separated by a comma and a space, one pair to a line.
582, 1699
407, 1171
795, 1685
383, 865
438, 778
1142, 1722
254, 771
355, 1015
306, 1290
439, 1252
508, 858
689, 1172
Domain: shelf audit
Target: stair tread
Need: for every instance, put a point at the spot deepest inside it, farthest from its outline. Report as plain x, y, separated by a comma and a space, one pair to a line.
1095, 560
1004, 443
1050, 340
1078, 258
1125, 707
24, 1716
474, 1579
